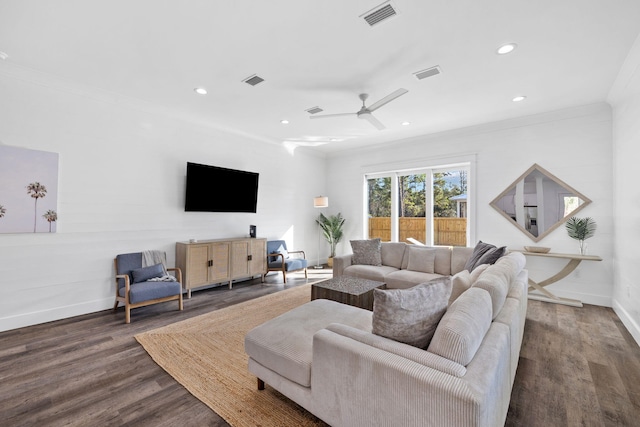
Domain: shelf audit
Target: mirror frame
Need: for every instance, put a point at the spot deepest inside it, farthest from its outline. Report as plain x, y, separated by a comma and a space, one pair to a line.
536, 167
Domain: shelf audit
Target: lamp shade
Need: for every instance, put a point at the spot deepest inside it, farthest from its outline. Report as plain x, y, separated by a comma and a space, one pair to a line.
320, 202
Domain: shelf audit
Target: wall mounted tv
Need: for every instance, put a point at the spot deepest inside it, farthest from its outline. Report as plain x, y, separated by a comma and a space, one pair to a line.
216, 189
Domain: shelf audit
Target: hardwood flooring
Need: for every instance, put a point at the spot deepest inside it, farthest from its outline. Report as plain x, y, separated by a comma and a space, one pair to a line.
578, 367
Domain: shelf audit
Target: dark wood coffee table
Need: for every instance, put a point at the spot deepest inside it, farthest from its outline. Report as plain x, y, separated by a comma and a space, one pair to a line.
347, 290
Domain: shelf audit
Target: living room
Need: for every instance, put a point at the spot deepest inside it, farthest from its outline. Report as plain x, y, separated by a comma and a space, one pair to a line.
122, 175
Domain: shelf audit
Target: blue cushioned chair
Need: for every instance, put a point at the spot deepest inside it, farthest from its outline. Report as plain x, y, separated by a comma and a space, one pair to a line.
279, 258
134, 289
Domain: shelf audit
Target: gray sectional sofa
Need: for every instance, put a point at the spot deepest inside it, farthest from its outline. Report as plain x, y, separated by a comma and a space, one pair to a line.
324, 356
403, 265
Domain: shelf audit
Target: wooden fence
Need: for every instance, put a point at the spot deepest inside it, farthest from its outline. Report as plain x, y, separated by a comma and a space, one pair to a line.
447, 231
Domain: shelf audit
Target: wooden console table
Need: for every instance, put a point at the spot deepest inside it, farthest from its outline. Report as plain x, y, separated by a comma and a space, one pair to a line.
574, 261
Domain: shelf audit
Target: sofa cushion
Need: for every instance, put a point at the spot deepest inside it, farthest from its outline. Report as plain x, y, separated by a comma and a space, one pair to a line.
145, 273
410, 315
479, 250
366, 252
284, 344
442, 263
370, 272
145, 291
459, 257
421, 258
463, 327
392, 253
403, 279
496, 280
463, 280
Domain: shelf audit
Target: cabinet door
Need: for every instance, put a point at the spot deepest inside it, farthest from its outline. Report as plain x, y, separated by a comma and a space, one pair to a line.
258, 263
240, 259
219, 256
197, 271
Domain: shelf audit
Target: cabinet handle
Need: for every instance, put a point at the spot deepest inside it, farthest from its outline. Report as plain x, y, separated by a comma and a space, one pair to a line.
210, 263
249, 258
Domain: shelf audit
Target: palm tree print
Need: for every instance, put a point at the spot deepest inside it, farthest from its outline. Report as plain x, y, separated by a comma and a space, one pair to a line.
51, 216
36, 190
3, 211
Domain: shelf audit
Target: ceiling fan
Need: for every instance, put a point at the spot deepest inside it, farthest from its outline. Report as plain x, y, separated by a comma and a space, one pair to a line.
365, 112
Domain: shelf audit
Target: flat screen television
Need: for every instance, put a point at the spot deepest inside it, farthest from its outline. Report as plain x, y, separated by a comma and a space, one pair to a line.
216, 189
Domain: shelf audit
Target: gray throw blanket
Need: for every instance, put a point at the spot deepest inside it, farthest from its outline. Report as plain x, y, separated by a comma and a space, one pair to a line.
150, 258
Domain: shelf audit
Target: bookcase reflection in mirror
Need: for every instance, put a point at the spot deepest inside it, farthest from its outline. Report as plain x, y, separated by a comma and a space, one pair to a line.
538, 202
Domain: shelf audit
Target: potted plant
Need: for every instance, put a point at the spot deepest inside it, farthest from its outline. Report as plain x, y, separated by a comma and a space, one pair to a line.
581, 229
332, 231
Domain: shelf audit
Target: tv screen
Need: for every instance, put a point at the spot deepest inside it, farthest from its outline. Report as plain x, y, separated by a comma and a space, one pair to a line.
216, 189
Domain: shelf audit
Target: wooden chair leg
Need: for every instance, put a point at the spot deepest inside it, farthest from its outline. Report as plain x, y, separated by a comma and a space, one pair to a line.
180, 304
284, 276
260, 384
115, 306
305, 273
127, 314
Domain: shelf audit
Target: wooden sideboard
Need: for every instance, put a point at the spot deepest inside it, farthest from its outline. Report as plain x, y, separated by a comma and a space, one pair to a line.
207, 262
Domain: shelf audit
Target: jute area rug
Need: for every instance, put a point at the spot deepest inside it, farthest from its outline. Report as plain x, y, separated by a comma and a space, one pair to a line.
206, 355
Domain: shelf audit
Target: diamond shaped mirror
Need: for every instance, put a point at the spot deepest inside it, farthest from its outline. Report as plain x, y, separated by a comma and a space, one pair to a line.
538, 202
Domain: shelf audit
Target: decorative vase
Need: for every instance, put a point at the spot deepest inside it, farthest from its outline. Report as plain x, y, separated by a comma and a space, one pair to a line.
330, 262
583, 247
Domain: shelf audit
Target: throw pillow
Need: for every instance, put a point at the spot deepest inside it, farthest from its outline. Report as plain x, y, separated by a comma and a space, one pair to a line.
478, 251
490, 256
145, 273
410, 315
366, 252
421, 258
463, 327
460, 282
463, 280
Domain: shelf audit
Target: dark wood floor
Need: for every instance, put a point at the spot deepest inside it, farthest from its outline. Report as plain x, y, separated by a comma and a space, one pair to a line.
578, 367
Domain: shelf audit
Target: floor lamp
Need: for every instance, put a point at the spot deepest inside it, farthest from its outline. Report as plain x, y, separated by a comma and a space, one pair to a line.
320, 202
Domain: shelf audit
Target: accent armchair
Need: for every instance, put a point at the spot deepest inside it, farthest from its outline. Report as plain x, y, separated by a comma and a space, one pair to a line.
279, 258
142, 279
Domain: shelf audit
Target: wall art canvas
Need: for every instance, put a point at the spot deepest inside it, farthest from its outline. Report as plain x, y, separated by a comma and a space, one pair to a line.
28, 190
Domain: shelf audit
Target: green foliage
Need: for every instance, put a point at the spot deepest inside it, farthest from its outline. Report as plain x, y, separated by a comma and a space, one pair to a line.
581, 228
331, 229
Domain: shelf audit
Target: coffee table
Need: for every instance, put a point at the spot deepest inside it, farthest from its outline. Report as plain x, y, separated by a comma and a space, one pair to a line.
347, 290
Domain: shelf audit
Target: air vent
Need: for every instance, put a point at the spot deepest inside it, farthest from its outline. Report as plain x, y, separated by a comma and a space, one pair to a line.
314, 110
253, 80
380, 13
433, 71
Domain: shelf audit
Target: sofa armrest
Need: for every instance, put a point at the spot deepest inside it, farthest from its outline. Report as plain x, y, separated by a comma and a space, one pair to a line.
350, 377
340, 263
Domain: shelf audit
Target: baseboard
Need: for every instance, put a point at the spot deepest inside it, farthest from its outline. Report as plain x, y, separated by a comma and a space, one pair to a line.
627, 321
601, 300
37, 317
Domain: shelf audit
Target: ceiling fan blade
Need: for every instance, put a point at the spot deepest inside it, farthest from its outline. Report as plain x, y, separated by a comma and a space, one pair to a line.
387, 99
375, 122
322, 116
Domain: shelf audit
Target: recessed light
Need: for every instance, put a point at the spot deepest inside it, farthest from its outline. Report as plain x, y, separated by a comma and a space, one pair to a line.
200, 91
284, 121
334, 139
519, 98
506, 48
3, 55
406, 123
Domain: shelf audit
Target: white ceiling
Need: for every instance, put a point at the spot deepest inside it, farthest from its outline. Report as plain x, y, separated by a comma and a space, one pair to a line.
320, 53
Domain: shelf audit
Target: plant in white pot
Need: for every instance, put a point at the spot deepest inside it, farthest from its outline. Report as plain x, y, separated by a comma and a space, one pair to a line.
332, 231
581, 229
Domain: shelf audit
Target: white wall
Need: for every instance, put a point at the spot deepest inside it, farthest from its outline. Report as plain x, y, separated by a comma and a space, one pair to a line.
573, 144
121, 189
625, 99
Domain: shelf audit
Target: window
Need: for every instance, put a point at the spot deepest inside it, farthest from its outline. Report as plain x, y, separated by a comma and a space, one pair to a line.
427, 206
